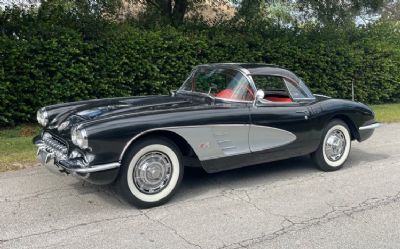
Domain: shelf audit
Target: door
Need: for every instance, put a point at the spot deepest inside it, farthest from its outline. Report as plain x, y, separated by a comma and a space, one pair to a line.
221, 130
281, 122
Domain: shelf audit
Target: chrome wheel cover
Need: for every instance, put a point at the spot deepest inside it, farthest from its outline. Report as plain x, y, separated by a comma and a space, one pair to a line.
335, 145
152, 172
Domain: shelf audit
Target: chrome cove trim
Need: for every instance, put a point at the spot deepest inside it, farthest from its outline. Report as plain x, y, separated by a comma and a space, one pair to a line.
217, 141
264, 138
371, 126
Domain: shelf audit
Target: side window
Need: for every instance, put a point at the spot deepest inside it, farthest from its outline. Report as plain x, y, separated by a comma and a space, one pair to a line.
280, 89
274, 88
269, 83
295, 91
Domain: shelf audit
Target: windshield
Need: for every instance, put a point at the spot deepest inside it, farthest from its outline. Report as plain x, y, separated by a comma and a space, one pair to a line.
219, 83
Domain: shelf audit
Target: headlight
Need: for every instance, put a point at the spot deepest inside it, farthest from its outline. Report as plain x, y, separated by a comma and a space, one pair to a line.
79, 138
42, 117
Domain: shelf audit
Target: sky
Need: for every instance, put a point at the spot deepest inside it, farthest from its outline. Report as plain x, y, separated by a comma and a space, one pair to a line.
4, 3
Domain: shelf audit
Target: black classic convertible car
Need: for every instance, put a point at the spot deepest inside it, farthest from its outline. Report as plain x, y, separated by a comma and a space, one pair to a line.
224, 116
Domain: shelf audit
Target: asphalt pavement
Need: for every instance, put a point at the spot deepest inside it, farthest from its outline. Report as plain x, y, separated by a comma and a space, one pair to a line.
285, 204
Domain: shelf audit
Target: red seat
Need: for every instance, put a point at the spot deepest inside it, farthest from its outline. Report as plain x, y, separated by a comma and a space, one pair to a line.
226, 94
278, 99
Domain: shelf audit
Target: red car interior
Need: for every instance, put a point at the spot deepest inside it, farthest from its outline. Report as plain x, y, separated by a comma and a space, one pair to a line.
278, 99
226, 94
229, 94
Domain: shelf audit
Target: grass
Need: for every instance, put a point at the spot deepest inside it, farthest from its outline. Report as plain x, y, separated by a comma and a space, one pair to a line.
387, 113
16, 148
18, 152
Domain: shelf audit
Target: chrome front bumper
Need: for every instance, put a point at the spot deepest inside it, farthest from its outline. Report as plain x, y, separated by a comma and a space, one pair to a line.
57, 161
47, 159
366, 131
370, 127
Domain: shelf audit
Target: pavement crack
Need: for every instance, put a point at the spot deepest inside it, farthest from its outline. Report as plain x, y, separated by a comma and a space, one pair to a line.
332, 214
246, 200
55, 230
34, 195
171, 229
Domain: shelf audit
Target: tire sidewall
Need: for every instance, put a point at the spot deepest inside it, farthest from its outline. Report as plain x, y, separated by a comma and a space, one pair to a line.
319, 156
343, 128
127, 186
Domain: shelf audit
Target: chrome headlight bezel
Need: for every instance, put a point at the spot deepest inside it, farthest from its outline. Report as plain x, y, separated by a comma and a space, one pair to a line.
42, 117
79, 138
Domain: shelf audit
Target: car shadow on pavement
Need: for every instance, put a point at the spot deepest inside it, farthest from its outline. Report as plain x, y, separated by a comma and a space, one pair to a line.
358, 157
197, 183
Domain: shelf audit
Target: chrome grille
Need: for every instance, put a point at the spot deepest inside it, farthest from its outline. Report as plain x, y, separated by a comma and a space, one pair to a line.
55, 145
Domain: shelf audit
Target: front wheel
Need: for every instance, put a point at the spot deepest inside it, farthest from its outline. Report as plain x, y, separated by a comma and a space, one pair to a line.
151, 172
335, 147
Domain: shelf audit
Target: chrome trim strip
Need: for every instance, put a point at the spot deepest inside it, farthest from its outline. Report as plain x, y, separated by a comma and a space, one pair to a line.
321, 95
133, 139
185, 92
95, 168
371, 126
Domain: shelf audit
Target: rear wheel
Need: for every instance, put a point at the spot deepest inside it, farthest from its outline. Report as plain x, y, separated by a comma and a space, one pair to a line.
151, 172
335, 147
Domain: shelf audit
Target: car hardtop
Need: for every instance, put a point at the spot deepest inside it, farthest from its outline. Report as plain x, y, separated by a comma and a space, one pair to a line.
256, 69
250, 71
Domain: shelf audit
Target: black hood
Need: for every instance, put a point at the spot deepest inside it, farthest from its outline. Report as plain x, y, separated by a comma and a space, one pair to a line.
63, 117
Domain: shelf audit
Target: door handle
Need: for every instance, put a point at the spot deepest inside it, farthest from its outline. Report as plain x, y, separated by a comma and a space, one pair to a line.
305, 112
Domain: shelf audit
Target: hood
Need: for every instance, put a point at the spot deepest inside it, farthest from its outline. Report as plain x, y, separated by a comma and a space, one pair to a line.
108, 108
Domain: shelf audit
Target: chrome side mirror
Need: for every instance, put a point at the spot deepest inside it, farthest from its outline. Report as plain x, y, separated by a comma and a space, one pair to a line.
260, 94
259, 97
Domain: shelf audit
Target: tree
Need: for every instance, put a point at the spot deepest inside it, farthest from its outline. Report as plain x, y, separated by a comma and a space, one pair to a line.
169, 11
334, 12
172, 11
391, 10
324, 12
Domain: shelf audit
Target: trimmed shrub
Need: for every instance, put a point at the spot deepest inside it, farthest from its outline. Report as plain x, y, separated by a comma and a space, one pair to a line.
45, 62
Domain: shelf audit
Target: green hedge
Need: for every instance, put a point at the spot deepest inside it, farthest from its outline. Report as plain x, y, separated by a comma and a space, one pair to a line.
46, 63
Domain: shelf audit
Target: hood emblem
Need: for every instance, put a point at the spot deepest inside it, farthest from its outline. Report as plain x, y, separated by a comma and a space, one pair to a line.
63, 125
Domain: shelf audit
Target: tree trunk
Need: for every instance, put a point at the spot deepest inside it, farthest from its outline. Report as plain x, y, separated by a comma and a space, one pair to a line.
165, 8
179, 11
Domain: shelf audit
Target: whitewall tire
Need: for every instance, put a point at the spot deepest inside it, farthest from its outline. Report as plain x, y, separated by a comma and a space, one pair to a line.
151, 172
334, 148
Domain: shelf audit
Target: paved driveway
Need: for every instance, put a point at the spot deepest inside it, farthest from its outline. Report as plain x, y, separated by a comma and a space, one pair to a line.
285, 204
